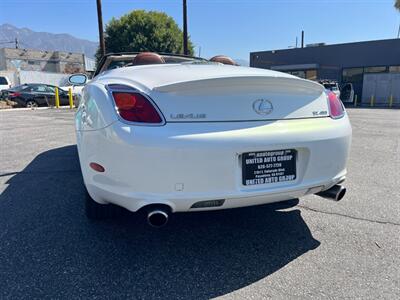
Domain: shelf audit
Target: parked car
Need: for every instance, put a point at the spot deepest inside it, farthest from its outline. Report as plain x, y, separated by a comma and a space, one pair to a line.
169, 133
35, 94
4, 83
347, 93
331, 85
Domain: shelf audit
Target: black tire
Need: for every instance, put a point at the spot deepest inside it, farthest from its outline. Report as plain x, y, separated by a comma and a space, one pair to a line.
31, 104
96, 211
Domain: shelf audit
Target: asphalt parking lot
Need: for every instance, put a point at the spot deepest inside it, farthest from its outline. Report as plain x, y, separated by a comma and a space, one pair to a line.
317, 249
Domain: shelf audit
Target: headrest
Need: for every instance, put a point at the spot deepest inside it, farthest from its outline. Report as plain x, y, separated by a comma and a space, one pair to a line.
148, 58
223, 59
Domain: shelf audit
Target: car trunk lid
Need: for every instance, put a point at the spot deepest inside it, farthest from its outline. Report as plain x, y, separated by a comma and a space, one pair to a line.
204, 92
240, 98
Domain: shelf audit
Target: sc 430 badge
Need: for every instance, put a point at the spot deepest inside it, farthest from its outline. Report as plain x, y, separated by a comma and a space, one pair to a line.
320, 113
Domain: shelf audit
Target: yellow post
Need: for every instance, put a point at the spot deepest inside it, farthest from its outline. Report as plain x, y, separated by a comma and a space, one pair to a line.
391, 101
372, 100
57, 98
355, 100
71, 101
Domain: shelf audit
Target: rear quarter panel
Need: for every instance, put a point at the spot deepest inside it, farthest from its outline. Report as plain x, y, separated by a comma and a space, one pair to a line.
96, 109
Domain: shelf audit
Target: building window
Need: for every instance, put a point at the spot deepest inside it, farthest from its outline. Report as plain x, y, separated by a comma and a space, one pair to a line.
394, 69
375, 69
306, 74
33, 62
50, 67
352, 75
301, 74
311, 74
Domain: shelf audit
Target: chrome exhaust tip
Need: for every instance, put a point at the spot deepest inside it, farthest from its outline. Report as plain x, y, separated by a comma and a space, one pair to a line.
157, 218
335, 193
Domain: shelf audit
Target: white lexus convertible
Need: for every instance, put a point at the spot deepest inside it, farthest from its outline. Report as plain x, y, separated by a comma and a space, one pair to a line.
170, 133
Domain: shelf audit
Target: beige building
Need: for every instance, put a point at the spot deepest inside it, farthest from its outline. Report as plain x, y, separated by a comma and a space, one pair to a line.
45, 61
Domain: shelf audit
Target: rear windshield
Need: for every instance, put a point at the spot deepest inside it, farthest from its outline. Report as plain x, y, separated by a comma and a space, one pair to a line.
20, 87
126, 60
3, 81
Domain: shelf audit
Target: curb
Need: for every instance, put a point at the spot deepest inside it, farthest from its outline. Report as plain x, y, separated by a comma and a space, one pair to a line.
37, 108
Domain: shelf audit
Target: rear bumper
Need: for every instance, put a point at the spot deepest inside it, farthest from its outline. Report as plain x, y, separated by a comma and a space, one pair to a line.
184, 203
181, 164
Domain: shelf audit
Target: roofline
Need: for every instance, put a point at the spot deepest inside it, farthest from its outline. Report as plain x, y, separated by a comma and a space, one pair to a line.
160, 53
327, 45
102, 60
45, 50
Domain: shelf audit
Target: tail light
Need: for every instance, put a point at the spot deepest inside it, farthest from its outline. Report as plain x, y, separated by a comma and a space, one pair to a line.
336, 108
133, 106
16, 94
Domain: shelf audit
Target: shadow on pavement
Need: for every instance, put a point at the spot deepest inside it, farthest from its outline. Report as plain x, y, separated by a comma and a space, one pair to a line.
48, 247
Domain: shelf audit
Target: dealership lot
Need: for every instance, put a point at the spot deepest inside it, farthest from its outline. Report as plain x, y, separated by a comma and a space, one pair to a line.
317, 249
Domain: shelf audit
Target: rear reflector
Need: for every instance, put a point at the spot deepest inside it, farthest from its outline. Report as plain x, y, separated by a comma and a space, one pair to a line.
97, 167
208, 203
336, 108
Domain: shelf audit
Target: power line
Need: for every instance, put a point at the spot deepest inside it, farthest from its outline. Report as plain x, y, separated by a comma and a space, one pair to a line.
398, 33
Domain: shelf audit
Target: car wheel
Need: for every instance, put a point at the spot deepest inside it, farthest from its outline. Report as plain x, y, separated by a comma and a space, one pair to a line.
31, 104
96, 211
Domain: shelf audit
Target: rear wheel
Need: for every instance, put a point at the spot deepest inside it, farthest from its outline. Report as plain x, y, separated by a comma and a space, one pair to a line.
96, 211
31, 104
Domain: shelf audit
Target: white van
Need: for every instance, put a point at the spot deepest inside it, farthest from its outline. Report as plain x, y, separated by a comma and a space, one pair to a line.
4, 83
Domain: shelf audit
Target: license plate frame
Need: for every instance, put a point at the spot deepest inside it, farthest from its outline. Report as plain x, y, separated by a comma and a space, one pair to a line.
268, 167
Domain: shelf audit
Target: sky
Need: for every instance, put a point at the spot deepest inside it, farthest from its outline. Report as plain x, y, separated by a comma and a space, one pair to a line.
230, 27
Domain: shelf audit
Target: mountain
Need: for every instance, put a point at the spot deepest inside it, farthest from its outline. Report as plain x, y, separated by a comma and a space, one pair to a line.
50, 41
45, 41
242, 62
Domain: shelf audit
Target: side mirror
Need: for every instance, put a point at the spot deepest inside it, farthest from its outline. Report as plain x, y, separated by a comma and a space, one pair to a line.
77, 79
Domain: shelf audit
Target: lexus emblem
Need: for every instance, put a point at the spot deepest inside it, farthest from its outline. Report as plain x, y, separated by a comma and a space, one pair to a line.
263, 106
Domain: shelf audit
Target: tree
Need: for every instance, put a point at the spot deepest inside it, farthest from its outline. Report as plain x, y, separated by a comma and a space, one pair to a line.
397, 4
144, 31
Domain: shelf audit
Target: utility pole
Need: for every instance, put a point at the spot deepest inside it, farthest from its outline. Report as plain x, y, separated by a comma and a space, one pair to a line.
185, 33
302, 39
398, 33
101, 32
16, 43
